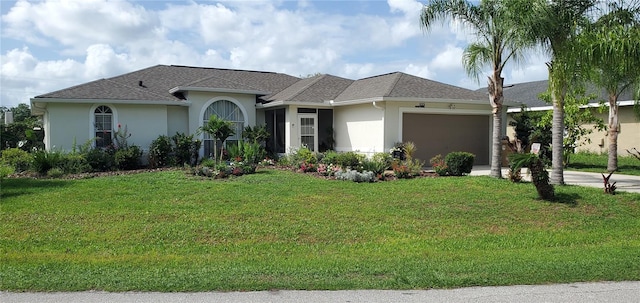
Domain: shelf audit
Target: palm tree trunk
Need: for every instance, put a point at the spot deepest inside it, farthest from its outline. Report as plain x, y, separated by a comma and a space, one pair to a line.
557, 128
612, 133
495, 88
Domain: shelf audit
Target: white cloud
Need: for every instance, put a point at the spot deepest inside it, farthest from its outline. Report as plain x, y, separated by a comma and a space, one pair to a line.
449, 59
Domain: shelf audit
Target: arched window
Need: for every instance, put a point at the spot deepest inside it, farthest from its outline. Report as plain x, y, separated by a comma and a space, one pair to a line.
103, 125
228, 111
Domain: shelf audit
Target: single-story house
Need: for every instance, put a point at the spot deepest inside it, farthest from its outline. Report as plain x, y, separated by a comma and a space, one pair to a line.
322, 112
628, 137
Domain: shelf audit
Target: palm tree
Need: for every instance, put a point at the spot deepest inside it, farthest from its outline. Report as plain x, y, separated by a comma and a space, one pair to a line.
219, 129
554, 25
497, 43
613, 46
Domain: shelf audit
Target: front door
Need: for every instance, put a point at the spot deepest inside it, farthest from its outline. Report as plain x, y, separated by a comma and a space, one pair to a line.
308, 130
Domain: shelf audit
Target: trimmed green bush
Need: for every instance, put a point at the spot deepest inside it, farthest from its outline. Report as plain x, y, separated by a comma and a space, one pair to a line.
128, 158
17, 158
329, 157
74, 163
349, 160
100, 159
459, 163
55, 173
160, 151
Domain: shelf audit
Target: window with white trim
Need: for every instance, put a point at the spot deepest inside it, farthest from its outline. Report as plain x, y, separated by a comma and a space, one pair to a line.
228, 111
103, 125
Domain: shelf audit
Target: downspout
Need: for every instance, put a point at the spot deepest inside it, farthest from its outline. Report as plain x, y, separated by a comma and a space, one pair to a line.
383, 135
378, 107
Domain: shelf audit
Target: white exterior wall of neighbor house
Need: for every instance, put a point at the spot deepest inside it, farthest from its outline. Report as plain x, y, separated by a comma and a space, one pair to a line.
628, 137
65, 122
359, 128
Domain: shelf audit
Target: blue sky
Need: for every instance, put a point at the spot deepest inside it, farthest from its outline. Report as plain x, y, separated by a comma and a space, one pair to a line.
53, 44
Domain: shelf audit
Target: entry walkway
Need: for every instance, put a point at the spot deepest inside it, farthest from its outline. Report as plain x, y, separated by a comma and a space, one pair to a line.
623, 182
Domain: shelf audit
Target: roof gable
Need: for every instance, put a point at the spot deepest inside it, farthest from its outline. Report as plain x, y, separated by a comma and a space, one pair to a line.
315, 89
401, 85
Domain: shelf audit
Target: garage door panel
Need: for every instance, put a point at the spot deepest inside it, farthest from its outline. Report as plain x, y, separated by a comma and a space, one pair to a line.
442, 134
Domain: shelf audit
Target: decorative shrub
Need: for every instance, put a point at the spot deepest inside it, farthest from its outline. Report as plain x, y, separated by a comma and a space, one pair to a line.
308, 167
329, 157
208, 162
350, 160
160, 152
385, 158
355, 176
128, 158
74, 163
5, 171
459, 163
44, 160
328, 170
100, 159
401, 170
375, 166
439, 166
185, 149
17, 158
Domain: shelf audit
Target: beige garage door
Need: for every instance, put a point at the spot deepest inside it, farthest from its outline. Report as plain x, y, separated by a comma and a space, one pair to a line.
442, 134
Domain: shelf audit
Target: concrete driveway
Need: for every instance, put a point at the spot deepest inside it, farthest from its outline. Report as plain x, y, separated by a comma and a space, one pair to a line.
623, 182
606, 292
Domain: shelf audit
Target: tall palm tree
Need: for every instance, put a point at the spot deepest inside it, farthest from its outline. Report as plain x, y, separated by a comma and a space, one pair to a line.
497, 42
613, 46
554, 25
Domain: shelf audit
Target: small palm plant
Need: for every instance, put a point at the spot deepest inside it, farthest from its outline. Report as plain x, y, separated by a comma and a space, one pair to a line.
539, 175
219, 129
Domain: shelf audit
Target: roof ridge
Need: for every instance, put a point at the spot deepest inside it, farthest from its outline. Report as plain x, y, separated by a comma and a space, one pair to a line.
228, 69
304, 88
393, 85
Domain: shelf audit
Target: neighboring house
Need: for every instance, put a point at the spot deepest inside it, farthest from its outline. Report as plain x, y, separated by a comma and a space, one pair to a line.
629, 136
322, 112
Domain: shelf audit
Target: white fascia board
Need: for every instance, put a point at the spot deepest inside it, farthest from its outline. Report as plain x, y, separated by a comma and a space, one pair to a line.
435, 100
216, 90
590, 105
444, 111
112, 101
324, 104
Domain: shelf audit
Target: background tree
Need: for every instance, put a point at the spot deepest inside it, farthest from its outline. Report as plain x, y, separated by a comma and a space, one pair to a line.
577, 117
612, 45
497, 42
554, 25
21, 132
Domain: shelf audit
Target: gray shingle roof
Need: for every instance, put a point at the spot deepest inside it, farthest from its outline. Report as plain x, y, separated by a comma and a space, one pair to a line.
158, 80
315, 89
528, 93
402, 85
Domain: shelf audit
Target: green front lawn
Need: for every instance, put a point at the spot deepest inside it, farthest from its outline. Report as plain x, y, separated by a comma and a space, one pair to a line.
276, 229
597, 163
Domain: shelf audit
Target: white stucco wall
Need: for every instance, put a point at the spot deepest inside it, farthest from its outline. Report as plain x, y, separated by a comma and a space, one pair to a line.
64, 123
359, 128
177, 120
144, 122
